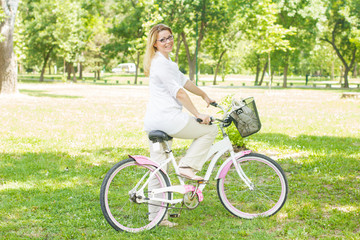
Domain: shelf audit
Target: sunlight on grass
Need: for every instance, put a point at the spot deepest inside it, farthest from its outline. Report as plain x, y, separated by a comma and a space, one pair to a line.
345, 209
50, 184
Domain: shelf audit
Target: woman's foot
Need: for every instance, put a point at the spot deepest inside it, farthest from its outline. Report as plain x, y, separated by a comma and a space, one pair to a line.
167, 223
187, 172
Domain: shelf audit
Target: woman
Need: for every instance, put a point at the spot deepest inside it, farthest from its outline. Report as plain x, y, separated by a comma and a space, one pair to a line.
164, 111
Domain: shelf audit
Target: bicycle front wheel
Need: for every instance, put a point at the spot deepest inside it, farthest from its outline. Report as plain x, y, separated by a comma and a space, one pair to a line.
121, 208
269, 187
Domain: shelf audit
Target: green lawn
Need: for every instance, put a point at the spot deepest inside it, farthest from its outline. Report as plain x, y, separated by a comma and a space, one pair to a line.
57, 141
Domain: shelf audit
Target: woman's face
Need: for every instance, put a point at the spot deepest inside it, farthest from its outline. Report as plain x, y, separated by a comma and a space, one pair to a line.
164, 42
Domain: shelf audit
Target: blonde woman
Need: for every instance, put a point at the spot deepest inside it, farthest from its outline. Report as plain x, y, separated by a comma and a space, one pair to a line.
168, 96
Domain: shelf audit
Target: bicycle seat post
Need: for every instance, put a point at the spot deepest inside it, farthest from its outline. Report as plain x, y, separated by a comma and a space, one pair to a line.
168, 148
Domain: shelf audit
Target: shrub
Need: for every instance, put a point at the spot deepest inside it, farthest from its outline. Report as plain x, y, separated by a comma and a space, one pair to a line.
232, 131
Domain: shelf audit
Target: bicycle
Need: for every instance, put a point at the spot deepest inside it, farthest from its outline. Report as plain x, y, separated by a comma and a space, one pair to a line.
249, 184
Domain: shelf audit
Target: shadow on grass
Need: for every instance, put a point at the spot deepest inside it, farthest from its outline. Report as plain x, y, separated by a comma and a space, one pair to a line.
41, 93
56, 194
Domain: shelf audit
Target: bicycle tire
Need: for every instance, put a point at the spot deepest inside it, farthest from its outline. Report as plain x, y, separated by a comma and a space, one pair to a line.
270, 187
119, 210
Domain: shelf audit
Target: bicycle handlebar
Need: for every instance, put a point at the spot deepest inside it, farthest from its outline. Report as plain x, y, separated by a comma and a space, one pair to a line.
199, 120
214, 104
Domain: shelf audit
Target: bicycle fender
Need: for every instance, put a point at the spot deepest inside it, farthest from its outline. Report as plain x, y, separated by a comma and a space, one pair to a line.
142, 160
227, 164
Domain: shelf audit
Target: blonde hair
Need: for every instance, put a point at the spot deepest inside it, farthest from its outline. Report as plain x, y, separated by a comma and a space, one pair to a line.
150, 48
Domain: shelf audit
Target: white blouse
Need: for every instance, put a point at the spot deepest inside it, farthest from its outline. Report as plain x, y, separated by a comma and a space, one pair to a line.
164, 111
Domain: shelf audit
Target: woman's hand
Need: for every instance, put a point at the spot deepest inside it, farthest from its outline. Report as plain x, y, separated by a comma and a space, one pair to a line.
205, 118
208, 100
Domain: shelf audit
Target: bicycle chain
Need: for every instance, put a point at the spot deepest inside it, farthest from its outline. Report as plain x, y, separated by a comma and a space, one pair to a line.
176, 208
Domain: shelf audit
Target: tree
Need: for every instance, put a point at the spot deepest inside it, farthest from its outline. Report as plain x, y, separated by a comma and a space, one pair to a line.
341, 31
322, 60
74, 33
51, 26
95, 20
192, 20
129, 31
301, 15
95, 57
266, 35
229, 27
8, 70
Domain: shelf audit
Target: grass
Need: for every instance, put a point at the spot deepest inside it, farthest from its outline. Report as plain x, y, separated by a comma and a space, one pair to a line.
59, 140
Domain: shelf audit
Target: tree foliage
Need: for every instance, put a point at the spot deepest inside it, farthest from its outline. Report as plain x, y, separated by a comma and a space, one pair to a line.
221, 34
128, 31
341, 27
53, 27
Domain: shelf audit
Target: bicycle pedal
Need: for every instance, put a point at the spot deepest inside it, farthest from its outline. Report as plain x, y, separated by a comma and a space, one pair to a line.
174, 215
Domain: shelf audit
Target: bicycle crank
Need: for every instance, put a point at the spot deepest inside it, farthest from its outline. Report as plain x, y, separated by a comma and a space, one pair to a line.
191, 200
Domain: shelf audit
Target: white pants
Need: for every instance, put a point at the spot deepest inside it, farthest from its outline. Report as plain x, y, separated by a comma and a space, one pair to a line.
195, 157
204, 136
158, 156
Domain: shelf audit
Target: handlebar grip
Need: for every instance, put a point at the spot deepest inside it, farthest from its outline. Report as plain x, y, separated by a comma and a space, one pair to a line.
200, 120
214, 104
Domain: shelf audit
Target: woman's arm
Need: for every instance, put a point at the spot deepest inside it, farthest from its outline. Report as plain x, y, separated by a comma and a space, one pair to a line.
185, 100
191, 87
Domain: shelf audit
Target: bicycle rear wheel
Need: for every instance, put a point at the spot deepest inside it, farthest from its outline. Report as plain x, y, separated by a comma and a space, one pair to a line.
120, 208
269, 193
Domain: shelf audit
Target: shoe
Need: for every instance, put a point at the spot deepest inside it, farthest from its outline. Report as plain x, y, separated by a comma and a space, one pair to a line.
167, 223
188, 173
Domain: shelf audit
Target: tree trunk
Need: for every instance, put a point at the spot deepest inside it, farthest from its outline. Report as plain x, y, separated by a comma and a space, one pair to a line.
46, 59
217, 66
192, 60
73, 72
332, 70
192, 69
263, 73
80, 66
178, 44
346, 74
341, 75
8, 68
98, 71
286, 68
20, 68
42, 74
137, 67
223, 72
347, 67
258, 68
68, 70
354, 73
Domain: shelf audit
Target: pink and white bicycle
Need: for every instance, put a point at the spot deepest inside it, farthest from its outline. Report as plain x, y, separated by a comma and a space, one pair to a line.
249, 185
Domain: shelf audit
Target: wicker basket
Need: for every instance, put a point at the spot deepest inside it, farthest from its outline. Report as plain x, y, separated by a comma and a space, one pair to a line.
245, 117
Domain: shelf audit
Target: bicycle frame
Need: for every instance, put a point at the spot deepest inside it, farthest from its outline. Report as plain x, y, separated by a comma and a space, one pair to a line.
216, 151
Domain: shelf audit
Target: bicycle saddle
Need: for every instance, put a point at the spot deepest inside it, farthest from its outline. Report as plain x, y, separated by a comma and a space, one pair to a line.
159, 136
